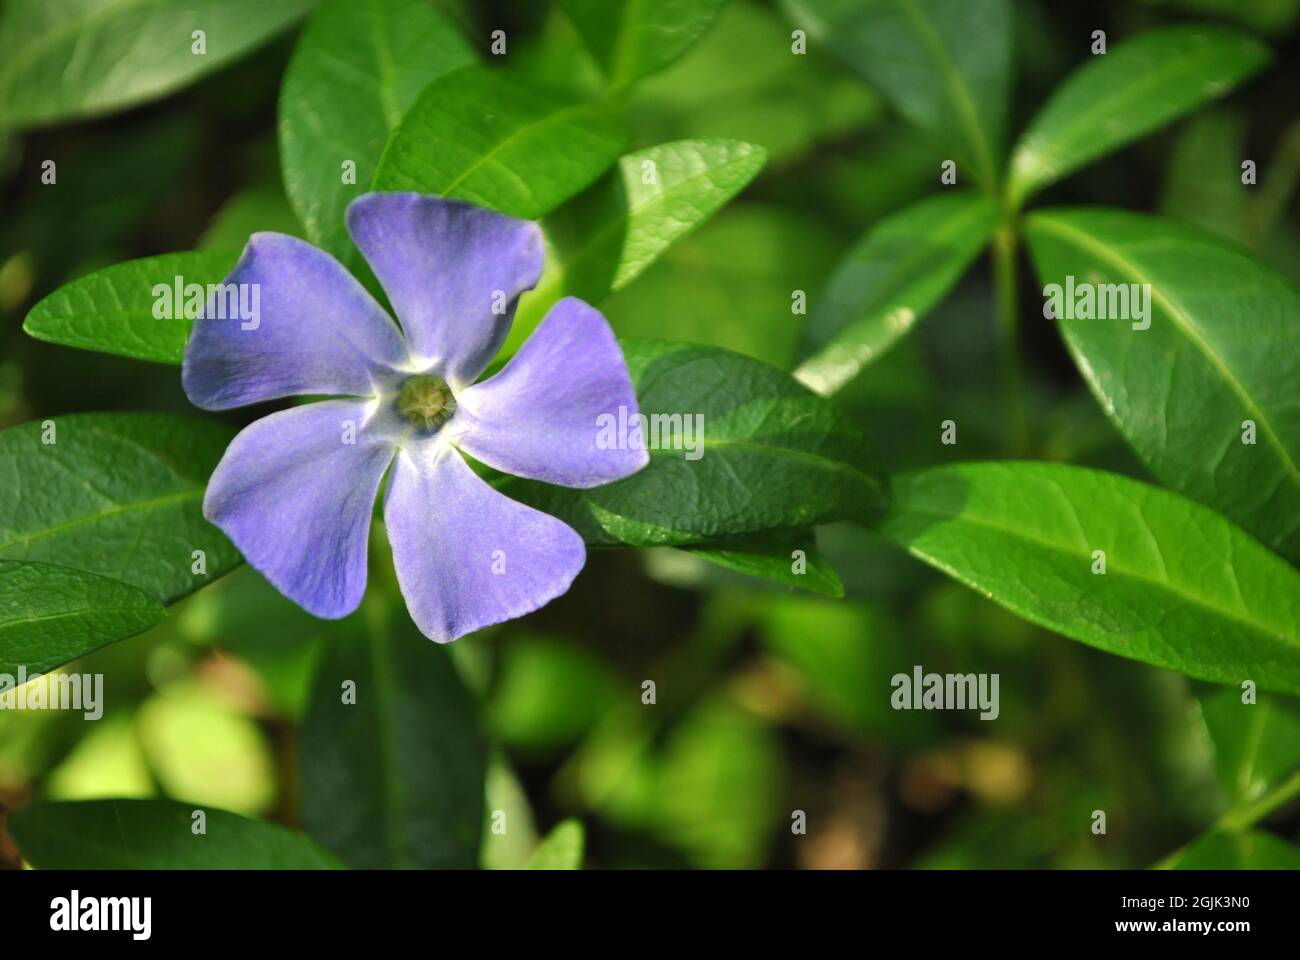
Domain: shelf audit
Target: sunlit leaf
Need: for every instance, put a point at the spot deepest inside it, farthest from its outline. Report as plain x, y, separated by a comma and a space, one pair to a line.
73, 58
1207, 394
1183, 588
1136, 88
116, 310
480, 136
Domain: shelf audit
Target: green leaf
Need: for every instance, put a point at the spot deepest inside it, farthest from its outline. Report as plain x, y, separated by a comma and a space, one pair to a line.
1253, 850
632, 38
480, 136
1126, 93
561, 850
119, 495
901, 268
1223, 347
156, 835
61, 59
604, 238
945, 65
112, 310
766, 444
1255, 744
358, 67
1183, 588
771, 556
50, 615
396, 778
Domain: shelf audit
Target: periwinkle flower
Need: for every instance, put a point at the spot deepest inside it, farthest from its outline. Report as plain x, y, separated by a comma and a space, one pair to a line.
296, 489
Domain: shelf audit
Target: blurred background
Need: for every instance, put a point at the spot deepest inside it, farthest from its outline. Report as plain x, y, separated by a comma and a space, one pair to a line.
769, 701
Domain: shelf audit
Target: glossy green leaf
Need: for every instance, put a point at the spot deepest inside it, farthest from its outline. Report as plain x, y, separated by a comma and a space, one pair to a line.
50, 615
788, 557
113, 310
1183, 588
763, 446
632, 38
74, 58
901, 268
1254, 850
604, 238
561, 849
1136, 88
1223, 348
478, 135
944, 64
1255, 744
358, 67
156, 835
395, 778
117, 494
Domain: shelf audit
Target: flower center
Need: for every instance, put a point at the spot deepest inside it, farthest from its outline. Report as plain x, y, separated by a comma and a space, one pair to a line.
426, 401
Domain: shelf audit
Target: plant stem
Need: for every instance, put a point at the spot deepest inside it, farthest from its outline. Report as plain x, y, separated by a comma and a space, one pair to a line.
1006, 292
1245, 815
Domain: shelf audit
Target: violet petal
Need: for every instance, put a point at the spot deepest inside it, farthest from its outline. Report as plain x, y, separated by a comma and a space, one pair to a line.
544, 415
467, 556
316, 331
452, 271
296, 499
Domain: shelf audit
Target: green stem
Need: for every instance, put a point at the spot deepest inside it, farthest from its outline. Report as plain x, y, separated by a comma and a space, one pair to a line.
1245, 815
1006, 291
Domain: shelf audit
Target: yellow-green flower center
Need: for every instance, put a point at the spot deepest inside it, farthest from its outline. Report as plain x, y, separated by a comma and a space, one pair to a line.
426, 401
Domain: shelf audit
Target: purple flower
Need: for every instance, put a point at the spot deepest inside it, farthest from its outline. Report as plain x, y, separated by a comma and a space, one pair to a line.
295, 490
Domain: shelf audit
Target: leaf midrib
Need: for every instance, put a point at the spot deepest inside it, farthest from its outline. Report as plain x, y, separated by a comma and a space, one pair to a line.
957, 92
1183, 321
757, 446
1069, 131
1195, 599
116, 510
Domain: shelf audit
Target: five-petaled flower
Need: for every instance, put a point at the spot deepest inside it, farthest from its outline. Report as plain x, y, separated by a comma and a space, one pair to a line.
295, 490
